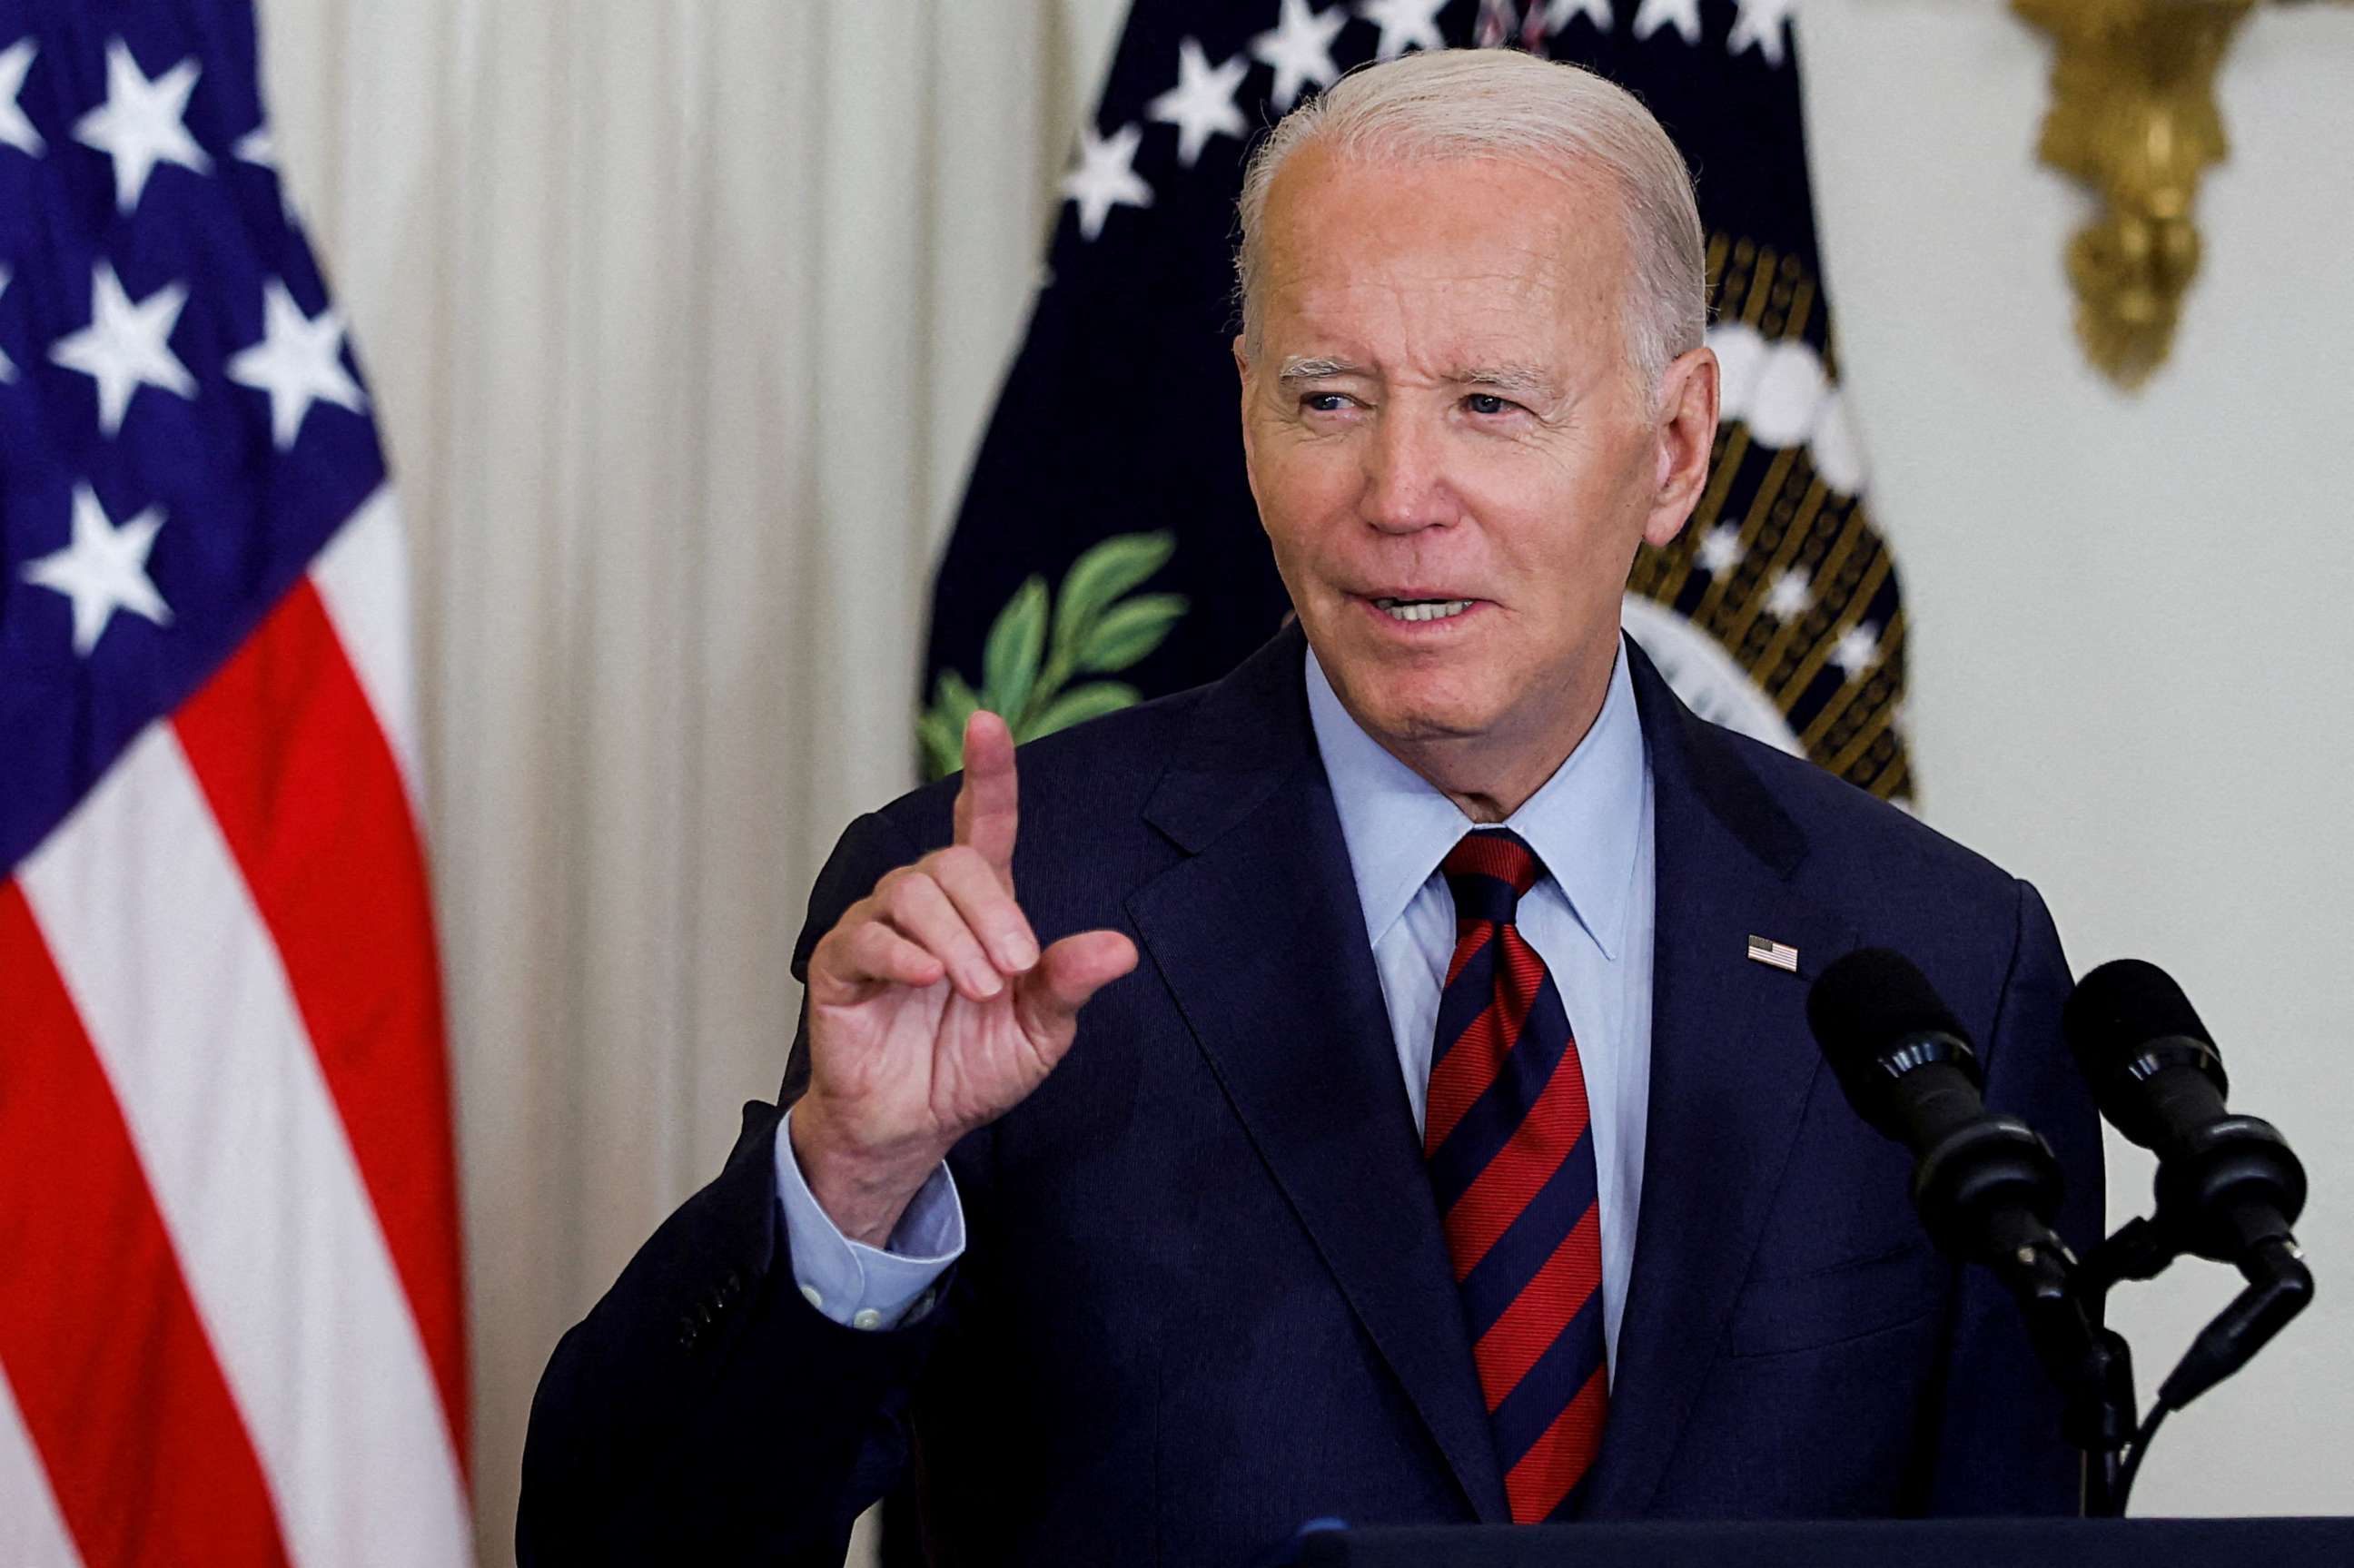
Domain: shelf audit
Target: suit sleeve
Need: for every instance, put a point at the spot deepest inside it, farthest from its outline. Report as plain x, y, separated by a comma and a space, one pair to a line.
704, 1411
1999, 1447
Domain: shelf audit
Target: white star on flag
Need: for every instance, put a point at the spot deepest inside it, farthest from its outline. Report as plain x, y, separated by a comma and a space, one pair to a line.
1405, 24
1300, 47
1106, 177
7, 366
1858, 650
1720, 549
1684, 14
139, 125
1202, 104
299, 362
1761, 23
1792, 592
127, 346
1558, 14
104, 569
16, 130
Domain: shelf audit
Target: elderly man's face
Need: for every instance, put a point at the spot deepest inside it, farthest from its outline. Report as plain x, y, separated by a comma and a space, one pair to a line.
1450, 451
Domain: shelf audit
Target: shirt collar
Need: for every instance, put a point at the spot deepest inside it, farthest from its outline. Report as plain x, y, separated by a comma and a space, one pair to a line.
1585, 822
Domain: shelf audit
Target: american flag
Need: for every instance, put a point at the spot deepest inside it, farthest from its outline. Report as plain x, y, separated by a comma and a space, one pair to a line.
230, 1324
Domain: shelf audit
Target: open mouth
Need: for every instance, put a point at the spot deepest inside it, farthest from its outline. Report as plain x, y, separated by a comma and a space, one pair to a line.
1423, 608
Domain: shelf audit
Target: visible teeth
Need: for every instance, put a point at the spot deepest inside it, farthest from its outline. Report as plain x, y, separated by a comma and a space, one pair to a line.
1422, 609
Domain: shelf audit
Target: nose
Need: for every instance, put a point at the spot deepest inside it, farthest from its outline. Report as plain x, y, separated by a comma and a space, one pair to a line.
1405, 489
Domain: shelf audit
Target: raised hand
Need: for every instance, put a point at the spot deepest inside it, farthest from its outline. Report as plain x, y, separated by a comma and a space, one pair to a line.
931, 1009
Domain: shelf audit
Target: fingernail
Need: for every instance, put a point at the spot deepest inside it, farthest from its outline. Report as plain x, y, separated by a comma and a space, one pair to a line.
1017, 952
986, 983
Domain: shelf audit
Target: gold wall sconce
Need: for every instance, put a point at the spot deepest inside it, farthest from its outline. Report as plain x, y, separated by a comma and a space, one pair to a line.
2132, 116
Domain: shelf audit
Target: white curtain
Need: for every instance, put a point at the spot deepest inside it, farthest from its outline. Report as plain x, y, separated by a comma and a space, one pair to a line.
680, 316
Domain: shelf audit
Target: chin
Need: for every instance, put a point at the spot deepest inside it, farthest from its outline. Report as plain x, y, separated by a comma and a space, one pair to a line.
1424, 696
1409, 710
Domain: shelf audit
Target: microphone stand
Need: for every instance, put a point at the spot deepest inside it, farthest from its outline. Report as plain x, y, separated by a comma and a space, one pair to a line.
2088, 1362
2092, 1364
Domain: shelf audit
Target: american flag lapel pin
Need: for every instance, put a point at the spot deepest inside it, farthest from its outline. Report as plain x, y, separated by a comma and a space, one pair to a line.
1774, 955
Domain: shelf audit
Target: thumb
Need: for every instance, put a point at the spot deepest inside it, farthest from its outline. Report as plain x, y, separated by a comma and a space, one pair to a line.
1068, 974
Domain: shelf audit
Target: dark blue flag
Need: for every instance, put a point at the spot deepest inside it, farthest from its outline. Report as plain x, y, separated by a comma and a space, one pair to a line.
1108, 548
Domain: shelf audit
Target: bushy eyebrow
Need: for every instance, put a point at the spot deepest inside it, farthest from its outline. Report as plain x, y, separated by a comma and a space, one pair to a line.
1517, 381
1298, 367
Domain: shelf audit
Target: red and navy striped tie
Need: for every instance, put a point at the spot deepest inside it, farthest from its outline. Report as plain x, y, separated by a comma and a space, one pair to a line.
1511, 1161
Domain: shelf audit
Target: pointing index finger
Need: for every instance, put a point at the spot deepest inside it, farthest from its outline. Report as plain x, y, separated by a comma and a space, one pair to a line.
988, 805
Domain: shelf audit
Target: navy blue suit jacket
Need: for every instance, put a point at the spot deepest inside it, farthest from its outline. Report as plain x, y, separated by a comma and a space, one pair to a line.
1205, 1296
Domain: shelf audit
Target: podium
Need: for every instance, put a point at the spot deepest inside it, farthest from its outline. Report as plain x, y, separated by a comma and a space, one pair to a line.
1877, 1544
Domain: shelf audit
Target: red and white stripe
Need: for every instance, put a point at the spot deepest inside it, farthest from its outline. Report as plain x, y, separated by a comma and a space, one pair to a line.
230, 1305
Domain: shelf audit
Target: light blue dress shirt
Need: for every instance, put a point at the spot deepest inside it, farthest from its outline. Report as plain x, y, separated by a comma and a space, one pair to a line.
860, 1286
1589, 918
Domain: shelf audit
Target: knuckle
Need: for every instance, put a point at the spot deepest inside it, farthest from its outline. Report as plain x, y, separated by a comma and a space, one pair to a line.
961, 862
906, 900
845, 943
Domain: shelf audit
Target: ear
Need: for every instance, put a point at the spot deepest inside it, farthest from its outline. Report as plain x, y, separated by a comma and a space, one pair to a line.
1685, 434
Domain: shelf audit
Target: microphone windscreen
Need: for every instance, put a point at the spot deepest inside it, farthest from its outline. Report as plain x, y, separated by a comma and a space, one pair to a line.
1867, 1001
2121, 1007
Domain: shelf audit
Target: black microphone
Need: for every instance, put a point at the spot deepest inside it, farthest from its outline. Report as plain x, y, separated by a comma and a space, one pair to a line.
2229, 1187
1986, 1186
2226, 1184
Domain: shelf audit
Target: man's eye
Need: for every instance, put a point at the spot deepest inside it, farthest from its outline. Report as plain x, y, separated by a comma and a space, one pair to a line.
1325, 402
1489, 403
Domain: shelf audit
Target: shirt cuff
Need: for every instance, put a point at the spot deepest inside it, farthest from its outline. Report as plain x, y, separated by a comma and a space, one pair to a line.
858, 1285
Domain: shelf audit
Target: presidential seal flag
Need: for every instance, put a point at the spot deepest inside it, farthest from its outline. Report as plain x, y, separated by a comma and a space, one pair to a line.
1108, 548
230, 1325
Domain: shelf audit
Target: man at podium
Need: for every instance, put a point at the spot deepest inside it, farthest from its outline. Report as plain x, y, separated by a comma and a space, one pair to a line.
1376, 1085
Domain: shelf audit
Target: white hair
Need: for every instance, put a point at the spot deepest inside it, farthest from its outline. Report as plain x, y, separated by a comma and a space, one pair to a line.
1548, 115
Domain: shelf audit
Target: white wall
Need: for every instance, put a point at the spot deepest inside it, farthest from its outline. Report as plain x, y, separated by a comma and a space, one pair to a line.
2131, 636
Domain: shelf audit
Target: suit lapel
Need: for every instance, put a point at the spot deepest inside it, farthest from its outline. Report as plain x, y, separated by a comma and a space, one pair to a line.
1726, 1094
1260, 940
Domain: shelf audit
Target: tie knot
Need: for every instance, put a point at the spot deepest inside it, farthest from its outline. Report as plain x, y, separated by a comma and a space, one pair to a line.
1488, 872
